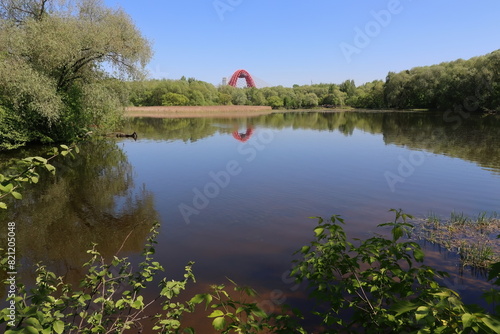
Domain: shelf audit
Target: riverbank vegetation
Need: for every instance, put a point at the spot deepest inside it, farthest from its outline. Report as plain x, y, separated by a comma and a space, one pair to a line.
472, 239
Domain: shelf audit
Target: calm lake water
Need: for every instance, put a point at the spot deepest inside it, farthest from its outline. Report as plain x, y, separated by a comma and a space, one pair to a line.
234, 195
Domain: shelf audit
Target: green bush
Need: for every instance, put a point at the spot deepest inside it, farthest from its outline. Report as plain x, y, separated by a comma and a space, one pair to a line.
376, 286
109, 301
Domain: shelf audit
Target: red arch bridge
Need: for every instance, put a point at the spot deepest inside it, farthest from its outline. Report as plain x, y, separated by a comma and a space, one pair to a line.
241, 74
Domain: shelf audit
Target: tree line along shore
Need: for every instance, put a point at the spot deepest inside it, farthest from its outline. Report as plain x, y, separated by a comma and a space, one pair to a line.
472, 85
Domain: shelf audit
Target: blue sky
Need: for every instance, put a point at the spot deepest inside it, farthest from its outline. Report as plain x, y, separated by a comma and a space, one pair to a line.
320, 41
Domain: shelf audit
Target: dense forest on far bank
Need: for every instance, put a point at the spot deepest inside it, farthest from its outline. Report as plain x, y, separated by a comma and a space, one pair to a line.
473, 85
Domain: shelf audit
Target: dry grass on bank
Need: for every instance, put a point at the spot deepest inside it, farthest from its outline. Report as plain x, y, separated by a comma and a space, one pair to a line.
197, 111
226, 111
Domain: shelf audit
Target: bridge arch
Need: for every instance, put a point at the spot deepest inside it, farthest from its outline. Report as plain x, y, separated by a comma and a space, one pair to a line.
241, 74
243, 137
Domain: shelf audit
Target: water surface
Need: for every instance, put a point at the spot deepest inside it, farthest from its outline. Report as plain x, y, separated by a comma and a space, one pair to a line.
234, 195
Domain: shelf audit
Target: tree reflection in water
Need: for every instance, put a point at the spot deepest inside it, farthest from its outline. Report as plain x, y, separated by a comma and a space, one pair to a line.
91, 199
473, 140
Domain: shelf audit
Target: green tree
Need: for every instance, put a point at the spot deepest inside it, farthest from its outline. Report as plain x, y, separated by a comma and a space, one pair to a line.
238, 97
348, 87
53, 56
470, 85
310, 100
174, 99
369, 95
335, 97
224, 99
275, 102
255, 96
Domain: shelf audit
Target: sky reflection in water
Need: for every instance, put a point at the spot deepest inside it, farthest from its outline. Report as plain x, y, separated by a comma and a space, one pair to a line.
248, 228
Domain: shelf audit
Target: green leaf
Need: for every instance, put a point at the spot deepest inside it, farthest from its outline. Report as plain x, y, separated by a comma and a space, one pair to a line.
3, 205
33, 322
198, 298
403, 307
58, 326
259, 313
467, 319
492, 324
40, 159
119, 303
216, 313
7, 188
30, 330
16, 195
443, 293
318, 231
137, 304
418, 254
115, 261
397, 232
219, 323
50, 168
64, 147
422, 312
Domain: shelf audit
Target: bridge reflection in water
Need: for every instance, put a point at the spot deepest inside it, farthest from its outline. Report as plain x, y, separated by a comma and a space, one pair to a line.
243, 137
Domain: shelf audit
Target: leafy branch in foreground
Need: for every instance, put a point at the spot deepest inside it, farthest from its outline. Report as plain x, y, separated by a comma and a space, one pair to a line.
376, 287
27, 170
235, 314
111, 299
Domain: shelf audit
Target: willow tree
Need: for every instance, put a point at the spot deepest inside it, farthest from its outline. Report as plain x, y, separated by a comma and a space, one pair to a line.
58, 63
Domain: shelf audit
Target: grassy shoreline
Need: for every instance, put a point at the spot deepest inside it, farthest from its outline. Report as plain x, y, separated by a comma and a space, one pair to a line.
197, 111
232, 111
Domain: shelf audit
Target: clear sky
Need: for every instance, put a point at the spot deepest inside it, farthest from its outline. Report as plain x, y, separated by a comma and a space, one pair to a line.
286, 42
